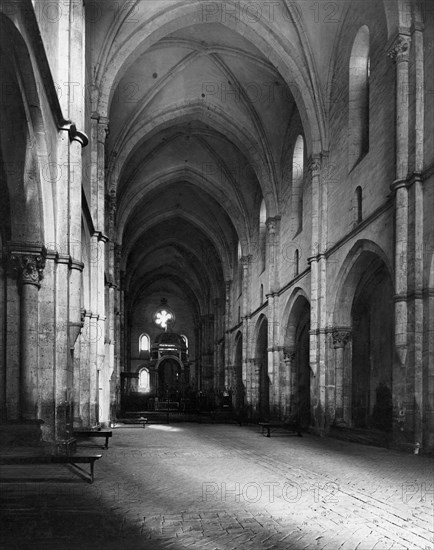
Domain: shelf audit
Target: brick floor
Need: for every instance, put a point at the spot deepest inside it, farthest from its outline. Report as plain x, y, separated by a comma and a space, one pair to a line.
223, 487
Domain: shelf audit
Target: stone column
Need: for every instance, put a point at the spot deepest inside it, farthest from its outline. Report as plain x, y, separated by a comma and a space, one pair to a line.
3, 378
227, 327
417, 202
271, 224
273, 336
247, 372
313, 260
291, 398
342, 392
316, 360
400, 54
29, 262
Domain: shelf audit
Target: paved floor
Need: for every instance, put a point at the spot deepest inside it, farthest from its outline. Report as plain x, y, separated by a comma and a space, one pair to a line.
222, 487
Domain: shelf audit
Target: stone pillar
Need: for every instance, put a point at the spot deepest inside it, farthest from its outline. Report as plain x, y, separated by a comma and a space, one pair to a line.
227, 327
247, 374
400, 54
313, 260
273, 336
291, 385
342, 392
3, 277
318, 385
271, 224
324, 371
28, 262
417, 201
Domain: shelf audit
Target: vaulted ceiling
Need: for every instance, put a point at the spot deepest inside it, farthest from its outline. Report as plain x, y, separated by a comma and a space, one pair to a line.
197, 126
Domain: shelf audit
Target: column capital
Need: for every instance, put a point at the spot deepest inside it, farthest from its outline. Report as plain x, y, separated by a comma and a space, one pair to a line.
245, 260
27, 262
112, 206
314, 165
271, 224
103, 128
288, 355
400, 49
228, 285
341, 337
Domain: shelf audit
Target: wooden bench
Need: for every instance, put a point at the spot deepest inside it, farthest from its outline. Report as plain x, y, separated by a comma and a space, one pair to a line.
73, 460
274, 426
141, 418
93, 433
167, 406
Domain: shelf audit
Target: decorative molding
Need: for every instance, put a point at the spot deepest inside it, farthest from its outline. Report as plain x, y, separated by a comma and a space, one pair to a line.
398, 184
76, 264
75, 135
63, 259
258, 309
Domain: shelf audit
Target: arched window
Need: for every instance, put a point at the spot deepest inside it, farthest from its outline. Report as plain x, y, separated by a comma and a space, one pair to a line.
144, 381
144, 342
358, 214
358, 108
297, 185
240, 267
262, 235
296, 263
261, 294
184, 337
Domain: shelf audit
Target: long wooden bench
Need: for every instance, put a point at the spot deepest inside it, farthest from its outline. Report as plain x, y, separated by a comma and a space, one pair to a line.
93, 433
167, 406
139, 414
73, 460
275, 426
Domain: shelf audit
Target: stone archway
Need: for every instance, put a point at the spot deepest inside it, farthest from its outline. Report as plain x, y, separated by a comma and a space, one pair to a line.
363, 339
298, 371
372, 351
262, 369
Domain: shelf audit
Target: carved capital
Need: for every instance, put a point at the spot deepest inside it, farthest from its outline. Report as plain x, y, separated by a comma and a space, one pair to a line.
341, 338
245, 260
103, 128
271, 224
400, 49
27, 264
228, 290
288, 355
315, 166
112, 206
